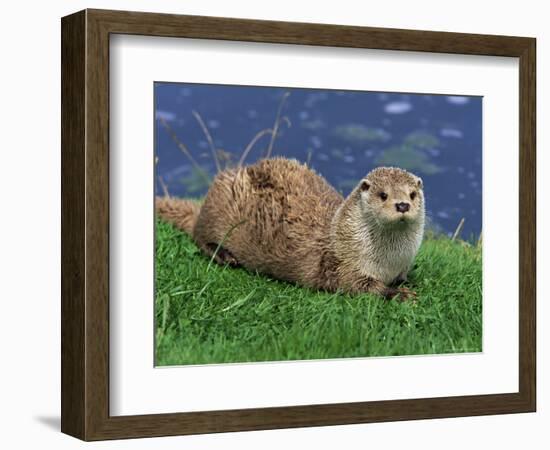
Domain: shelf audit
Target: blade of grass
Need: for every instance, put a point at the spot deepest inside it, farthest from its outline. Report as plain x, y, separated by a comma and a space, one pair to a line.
220, 244
240, 301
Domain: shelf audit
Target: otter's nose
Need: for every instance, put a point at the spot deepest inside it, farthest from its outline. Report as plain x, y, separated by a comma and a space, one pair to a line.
402, 207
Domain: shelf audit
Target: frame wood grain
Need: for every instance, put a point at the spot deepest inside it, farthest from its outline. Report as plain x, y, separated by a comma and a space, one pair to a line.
85, 224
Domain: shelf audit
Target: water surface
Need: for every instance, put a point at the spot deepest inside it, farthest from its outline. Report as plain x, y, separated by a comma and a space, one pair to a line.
342, 134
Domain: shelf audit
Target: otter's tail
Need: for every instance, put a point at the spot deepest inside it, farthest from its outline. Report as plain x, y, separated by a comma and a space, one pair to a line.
183, 214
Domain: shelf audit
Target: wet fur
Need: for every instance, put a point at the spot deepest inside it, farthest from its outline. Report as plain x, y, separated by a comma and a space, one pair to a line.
280, 218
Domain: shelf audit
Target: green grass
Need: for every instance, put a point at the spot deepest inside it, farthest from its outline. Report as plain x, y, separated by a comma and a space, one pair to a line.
206, 313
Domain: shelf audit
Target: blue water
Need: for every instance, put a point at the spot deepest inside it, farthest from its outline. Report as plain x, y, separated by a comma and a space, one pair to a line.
343, 135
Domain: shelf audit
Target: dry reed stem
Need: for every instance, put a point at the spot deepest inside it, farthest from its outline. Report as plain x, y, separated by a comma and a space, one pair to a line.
184, 149
251, 144
209, 139
309, 156
458, 229
277, 123
164, 187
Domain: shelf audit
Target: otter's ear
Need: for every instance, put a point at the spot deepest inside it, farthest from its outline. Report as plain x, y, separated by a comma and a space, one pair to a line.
419, 182
365, 185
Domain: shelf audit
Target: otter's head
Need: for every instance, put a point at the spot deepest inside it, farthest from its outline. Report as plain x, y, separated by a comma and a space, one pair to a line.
392, 197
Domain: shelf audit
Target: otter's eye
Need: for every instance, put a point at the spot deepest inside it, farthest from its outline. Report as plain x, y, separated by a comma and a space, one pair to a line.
413, 195
383, 196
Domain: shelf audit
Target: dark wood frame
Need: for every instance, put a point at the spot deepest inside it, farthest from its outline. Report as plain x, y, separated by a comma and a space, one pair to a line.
85, 224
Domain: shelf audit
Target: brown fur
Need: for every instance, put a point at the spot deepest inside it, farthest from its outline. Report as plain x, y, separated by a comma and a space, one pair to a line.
181, 213
280, 218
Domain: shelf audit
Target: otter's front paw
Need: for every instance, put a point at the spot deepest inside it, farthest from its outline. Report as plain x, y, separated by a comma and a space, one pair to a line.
406, 294
402, 294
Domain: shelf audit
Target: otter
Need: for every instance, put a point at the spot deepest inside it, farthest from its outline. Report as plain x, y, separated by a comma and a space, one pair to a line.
280, 218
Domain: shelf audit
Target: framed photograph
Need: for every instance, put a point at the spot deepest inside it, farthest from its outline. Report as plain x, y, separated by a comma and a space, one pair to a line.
273, 225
